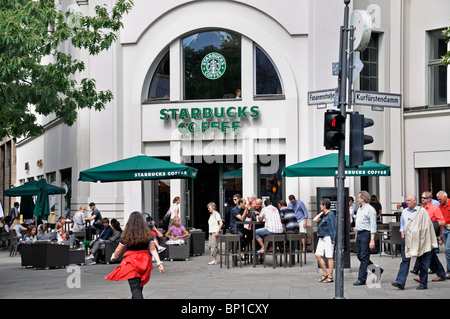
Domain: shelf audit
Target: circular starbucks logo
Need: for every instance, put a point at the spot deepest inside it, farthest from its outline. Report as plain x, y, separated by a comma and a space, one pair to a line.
213, 65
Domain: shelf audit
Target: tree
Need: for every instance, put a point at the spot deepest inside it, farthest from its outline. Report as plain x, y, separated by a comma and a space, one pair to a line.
446, 58
32, 32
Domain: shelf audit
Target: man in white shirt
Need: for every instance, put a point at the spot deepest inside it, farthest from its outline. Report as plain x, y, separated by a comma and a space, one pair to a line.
272, 226
366, 227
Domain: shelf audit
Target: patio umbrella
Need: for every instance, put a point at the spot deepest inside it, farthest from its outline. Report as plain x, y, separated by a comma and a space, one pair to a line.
327, 165
137, 168
31, 189
42, 207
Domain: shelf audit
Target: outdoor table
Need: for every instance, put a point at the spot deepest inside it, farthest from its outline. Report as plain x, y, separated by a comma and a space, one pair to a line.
396, 215
382, 232
254, 224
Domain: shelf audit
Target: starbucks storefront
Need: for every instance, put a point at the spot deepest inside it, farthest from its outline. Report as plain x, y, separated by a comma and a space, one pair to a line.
223, 100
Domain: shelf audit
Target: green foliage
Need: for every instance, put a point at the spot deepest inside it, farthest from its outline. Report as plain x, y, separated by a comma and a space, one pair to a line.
446, 58
36, 73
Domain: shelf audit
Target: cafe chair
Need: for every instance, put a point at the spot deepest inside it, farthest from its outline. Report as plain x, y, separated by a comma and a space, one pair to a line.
174, 252
277, 241
394, 238
110, 247
14, 242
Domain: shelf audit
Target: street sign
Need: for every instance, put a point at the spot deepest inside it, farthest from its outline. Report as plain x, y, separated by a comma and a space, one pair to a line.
321, 97
335, 68
377, 99
356, 67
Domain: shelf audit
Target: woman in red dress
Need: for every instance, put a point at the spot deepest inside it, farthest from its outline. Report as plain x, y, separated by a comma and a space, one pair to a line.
136, 265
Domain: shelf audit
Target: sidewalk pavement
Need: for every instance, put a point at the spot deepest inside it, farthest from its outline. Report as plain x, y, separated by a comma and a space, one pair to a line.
195, 279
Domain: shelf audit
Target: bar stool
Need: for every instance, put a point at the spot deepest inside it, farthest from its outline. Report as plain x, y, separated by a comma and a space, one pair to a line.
294, 243
275, 239
232, 248
303, 249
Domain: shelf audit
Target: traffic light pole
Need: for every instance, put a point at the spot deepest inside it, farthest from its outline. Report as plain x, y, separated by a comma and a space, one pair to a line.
340, 222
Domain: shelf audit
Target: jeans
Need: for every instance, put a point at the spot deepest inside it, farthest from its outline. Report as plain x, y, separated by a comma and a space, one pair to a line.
363, 253
446, 240
261, 232
424, 264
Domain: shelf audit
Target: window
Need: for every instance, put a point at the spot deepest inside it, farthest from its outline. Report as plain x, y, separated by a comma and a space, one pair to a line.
368, 80
266, 75
160, 85
437, 72
270, 168
434, 180
212, 65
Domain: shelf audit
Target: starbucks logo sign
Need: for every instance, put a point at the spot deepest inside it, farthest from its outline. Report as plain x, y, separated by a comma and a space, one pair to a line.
213, 65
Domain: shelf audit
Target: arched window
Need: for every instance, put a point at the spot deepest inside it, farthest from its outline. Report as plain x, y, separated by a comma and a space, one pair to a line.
160, 84
211, 65
211, 69
267, 81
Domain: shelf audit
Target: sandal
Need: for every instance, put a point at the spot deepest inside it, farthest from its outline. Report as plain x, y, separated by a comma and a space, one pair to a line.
324, 277
328, 280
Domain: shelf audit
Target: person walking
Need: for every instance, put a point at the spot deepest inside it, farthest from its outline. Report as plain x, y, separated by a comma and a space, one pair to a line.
444, 206
418, 240
366, 227
136, 265
215, 225
326, 231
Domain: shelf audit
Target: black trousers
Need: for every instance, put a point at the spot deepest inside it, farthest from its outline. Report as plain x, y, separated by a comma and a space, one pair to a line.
135, 287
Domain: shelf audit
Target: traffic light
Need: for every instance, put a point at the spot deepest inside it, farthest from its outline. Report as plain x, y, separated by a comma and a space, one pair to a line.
357, 139
334, 129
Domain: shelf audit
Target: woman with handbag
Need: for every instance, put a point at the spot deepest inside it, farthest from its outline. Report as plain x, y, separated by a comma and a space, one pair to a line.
136, 265
326, 231
174, 210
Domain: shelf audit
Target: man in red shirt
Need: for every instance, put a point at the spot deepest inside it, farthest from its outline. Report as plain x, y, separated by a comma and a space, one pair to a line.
445, 209
438, 220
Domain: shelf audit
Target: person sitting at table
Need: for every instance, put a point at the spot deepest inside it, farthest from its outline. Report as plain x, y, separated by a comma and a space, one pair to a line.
43, 234
288, 218
17, 227
61, 236
239, 213
79, 220
30, 237
176, 232
99, 244
272, 226
104, 234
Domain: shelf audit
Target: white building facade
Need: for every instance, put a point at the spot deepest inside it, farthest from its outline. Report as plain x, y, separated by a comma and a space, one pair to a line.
176, 73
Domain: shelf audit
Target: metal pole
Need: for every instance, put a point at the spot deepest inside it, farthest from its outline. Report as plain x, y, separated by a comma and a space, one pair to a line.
339, 286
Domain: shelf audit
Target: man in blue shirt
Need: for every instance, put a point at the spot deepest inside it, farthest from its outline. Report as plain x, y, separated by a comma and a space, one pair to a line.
302, 215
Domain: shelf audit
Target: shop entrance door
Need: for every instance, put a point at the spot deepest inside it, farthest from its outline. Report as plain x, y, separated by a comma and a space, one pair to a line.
214, 183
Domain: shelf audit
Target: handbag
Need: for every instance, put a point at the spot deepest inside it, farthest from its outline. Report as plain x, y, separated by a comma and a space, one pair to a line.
166, 217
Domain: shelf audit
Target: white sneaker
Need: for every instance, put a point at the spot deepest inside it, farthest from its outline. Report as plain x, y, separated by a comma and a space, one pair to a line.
161, 249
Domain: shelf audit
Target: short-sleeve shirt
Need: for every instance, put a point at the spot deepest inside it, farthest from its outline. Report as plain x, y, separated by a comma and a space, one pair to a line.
177, 231
97, 215
272, 219
213, 222
289, 219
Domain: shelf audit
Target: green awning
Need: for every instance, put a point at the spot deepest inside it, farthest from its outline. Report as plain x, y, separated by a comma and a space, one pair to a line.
327, 165
137, 168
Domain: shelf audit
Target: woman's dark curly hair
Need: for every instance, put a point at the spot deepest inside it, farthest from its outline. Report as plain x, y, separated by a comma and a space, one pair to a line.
136, 231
